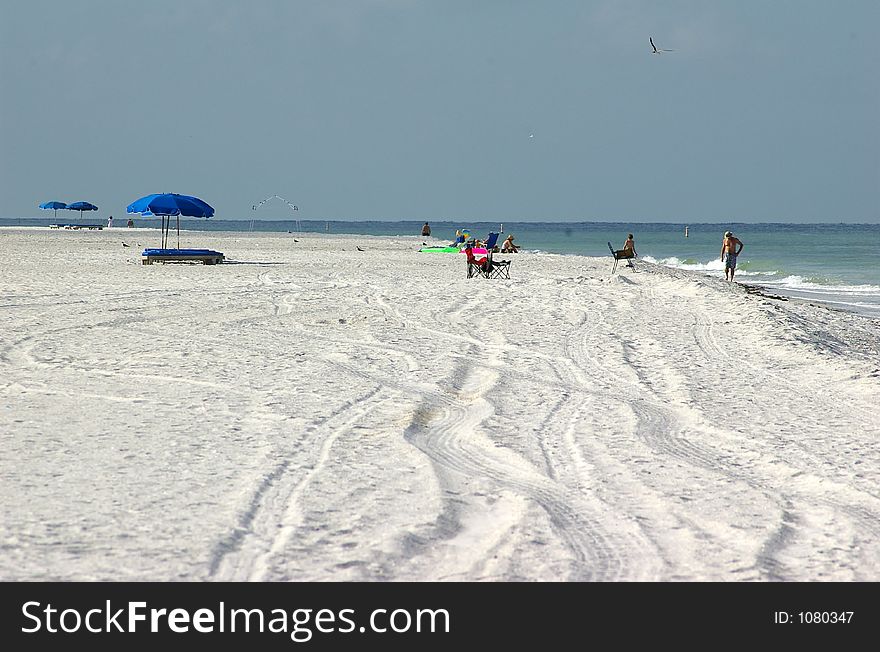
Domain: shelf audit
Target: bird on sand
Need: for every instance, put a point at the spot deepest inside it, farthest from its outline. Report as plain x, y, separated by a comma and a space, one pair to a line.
125, 245
656, 50
358, 248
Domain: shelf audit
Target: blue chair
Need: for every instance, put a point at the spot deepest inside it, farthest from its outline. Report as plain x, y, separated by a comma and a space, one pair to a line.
491, 241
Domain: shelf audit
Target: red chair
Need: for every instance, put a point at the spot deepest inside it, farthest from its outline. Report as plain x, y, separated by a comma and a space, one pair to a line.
476, 266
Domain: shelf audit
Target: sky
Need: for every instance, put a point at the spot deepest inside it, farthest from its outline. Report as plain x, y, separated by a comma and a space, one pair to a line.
497, 110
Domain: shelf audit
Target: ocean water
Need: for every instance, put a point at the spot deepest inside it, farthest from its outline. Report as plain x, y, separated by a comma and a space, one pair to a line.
834, 264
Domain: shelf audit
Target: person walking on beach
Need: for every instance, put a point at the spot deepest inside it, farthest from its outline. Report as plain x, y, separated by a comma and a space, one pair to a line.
730, 248
109, 221
426, 230
130, 223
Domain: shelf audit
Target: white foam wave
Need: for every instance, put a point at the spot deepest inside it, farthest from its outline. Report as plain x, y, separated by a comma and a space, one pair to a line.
795, 282
771, 279
678, 263
716, 265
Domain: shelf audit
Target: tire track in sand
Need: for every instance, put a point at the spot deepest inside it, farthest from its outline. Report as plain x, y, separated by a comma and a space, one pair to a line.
268, 523
452, 441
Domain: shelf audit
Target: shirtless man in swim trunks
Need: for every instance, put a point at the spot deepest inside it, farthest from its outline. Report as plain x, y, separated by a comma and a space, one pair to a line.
731, 247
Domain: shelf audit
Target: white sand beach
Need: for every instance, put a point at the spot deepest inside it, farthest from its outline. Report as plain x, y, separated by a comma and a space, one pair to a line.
307, 411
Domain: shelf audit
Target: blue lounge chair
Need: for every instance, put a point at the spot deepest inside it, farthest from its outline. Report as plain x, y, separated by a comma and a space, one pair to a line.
206, 256
77, 227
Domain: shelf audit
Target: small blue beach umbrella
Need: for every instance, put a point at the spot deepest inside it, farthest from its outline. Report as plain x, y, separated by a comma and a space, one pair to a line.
167, 204
53, 206
81, 206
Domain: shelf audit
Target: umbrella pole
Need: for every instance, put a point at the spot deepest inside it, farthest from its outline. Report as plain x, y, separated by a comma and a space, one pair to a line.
178, 231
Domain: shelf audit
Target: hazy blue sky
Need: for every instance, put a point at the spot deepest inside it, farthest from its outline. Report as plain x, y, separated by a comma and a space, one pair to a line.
445, 109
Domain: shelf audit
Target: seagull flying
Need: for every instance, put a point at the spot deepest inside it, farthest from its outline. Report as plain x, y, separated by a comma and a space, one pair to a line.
657, 51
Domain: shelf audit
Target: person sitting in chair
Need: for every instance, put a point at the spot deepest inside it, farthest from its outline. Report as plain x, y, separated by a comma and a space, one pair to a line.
507, 247
629, 248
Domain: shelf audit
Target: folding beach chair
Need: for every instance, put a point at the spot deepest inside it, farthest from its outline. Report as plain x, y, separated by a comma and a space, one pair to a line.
498, 268
621, 254
486, 266
476, 266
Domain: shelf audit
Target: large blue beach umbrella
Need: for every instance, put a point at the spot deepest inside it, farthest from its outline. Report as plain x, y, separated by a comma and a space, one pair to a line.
81, 206
53, 206
167, 204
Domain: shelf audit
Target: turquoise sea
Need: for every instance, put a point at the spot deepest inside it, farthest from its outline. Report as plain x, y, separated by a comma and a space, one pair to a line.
835, 264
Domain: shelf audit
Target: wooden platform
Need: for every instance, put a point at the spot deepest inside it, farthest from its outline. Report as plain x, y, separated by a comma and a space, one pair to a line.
205, 256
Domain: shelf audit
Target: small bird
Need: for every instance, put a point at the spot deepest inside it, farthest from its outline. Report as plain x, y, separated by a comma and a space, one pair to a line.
657, 51
358, 248
295, 240
125, 245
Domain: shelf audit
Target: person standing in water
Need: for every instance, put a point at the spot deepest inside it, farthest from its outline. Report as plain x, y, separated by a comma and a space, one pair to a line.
731, 246
426, 230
